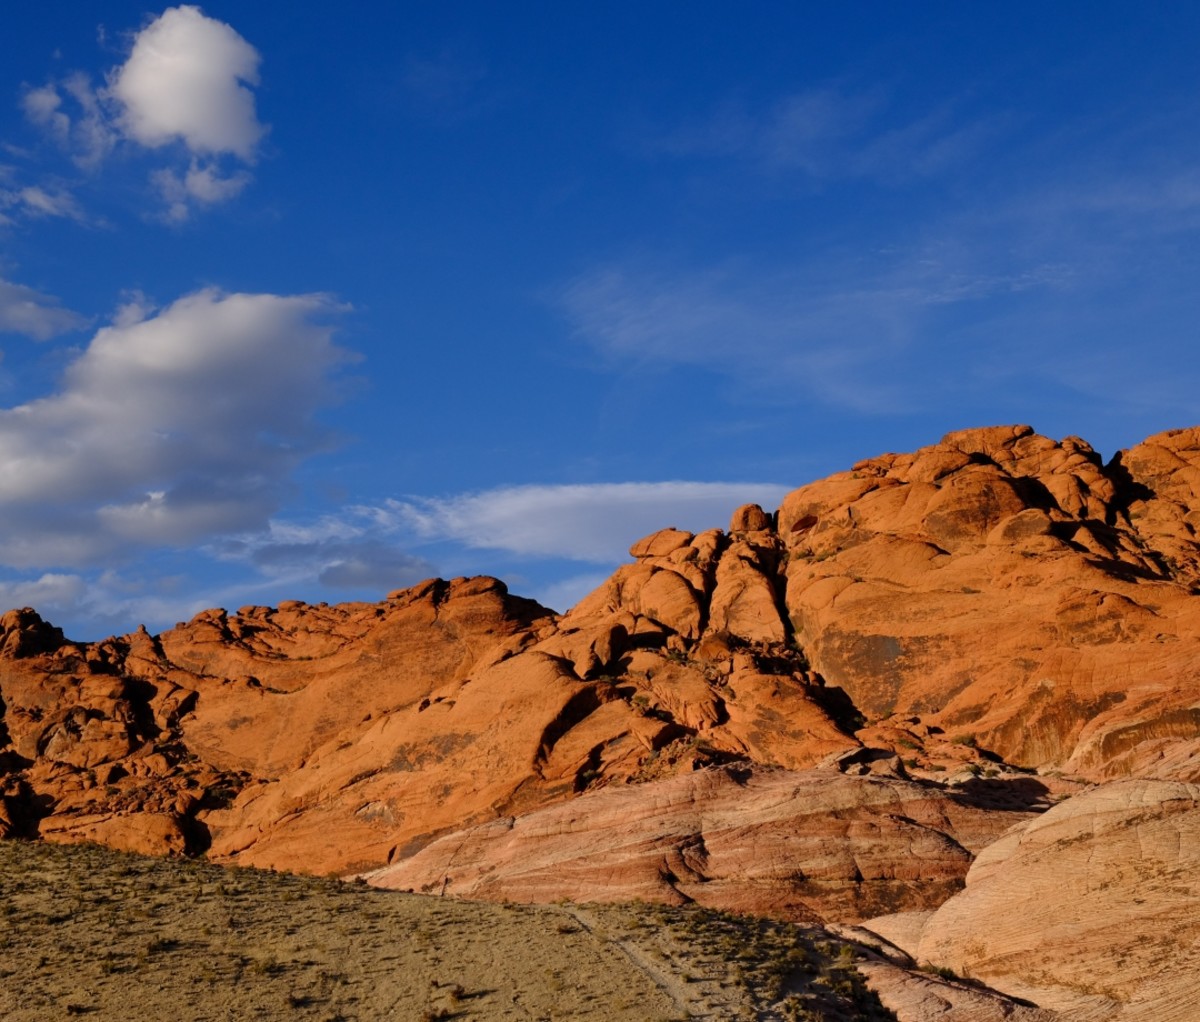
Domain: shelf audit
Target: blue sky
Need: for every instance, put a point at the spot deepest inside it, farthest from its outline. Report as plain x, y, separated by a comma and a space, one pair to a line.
305, 302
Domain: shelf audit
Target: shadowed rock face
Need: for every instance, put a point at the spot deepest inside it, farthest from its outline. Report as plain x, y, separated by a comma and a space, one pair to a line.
996, 597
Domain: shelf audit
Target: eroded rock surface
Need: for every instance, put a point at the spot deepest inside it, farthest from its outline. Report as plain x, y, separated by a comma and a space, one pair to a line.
1092, 909
810, 846
1015, 592
994, 609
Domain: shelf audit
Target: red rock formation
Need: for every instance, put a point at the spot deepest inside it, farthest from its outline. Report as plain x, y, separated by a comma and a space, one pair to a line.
996, 597
333, 738
810, 846
1013, 591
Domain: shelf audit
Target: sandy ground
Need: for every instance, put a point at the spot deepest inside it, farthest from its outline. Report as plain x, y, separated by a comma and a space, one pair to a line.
97, 934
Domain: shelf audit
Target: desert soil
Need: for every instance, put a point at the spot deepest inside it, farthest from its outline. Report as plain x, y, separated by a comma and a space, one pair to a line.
99, 934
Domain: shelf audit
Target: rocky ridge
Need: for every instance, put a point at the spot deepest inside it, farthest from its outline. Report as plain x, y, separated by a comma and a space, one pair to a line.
941, 643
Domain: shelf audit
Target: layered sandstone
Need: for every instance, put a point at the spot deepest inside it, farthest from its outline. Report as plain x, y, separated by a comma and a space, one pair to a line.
1092, 909
809, 846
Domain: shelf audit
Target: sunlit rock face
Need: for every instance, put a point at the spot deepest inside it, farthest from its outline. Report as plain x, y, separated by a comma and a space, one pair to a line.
1092, 909
992, 605
1014, 591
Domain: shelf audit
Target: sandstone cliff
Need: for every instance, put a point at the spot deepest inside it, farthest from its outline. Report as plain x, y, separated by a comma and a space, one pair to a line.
992, 606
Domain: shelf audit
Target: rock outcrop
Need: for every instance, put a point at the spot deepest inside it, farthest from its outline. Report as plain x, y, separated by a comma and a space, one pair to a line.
809, 846
1015, 592
327, 739
1092, 909
994, 609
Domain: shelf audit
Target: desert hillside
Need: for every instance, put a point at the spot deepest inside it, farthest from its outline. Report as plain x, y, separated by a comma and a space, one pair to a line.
105, 935
832, 713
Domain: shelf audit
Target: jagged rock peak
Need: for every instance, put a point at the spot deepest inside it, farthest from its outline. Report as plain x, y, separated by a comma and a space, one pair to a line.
23, 633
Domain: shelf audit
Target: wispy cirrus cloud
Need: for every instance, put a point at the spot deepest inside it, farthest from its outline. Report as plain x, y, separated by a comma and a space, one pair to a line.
31, 313
834, 329
1051, 246
832, 132
367, 550
590, 523
38, 202
594, 522
536, 536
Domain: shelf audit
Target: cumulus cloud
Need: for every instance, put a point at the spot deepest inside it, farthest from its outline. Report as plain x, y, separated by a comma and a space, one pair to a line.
203, 184
167, 430
51, 590
588, 522
186, 79
186, 85
91, 605
33, 314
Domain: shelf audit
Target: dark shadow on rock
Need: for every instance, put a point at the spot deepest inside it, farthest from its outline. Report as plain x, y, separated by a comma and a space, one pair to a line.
840, 707
26, 809
197, 838
1011, 794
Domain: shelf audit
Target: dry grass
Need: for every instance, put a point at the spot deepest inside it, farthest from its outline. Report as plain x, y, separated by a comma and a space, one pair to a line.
97, 934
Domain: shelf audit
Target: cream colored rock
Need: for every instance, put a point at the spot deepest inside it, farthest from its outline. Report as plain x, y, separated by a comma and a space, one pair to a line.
920, 997
1092, 909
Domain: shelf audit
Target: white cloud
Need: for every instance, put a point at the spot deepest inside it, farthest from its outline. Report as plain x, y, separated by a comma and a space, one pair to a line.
33, 314
186, 84
50, 590
86, 132
167, 430
587, 522
186, 79
43, 106
349, 551
89, 606
203, 184
38, 201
